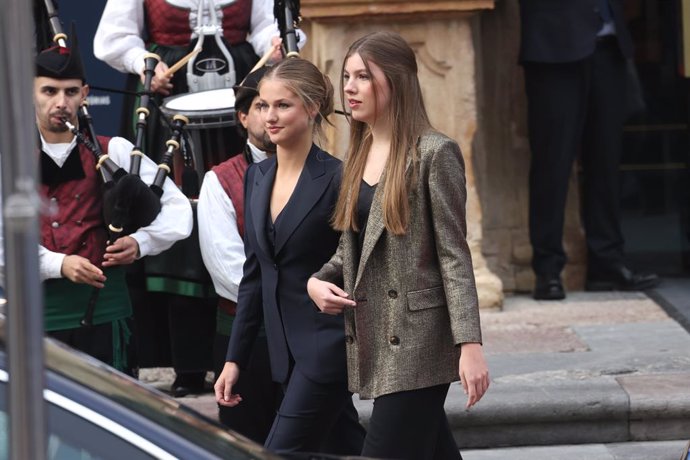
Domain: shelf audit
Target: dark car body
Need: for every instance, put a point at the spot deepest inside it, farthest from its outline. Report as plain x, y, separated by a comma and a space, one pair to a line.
94, 411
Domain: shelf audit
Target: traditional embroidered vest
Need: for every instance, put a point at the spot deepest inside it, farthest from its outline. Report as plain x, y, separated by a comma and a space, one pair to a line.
169, 25
78, 227
231, 177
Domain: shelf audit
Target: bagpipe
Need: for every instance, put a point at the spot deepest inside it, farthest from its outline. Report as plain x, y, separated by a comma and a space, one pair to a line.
287, 14
128, 203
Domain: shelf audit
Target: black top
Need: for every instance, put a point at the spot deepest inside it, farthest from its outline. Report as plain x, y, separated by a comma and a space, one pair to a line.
271, 230
366, 196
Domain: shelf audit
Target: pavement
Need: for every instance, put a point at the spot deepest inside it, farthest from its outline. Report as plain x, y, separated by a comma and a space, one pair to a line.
597, 376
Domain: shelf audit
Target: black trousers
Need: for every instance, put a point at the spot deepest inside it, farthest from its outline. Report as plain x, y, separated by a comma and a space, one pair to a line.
316, 417
411, 425
576, 108
96, 341
171, 330
261, 396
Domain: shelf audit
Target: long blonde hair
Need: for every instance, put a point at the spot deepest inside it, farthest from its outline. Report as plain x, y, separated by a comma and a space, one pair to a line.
409, 120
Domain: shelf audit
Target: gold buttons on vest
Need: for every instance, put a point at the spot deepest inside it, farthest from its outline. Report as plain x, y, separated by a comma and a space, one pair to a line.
55, 225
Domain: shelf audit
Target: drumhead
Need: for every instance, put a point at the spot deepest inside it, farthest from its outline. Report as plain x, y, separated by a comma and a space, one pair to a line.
202, 101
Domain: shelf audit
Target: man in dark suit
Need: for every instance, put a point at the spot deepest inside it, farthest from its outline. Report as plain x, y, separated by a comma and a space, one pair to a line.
574, 56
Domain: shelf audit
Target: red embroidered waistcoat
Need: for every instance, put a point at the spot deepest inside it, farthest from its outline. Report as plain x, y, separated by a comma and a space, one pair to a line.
168, 25
78, 227
230, 174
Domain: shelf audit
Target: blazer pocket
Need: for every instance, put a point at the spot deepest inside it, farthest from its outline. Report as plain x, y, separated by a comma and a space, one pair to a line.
426, 298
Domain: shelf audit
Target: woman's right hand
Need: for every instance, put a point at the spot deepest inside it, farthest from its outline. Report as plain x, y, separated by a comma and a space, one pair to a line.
328, 297
223, 386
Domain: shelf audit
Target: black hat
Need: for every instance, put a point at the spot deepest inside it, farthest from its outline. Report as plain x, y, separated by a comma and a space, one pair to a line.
246, 91
61, 63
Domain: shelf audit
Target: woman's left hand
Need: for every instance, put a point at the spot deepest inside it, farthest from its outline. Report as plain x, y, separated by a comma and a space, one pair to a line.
474, 374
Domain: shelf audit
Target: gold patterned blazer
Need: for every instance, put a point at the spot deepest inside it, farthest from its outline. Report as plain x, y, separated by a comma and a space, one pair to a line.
415, 293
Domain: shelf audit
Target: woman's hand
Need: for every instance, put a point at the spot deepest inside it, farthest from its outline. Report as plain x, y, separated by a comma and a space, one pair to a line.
474, 374
223, 386
328, 297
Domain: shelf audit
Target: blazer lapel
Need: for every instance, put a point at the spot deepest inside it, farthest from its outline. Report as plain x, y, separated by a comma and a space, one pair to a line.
374, 230
310, 186
375, 224
261, 194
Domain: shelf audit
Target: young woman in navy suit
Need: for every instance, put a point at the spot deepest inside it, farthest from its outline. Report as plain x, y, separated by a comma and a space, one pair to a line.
409, 298
289, 200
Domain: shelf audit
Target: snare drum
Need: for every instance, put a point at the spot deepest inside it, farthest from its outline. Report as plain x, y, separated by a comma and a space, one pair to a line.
211, 126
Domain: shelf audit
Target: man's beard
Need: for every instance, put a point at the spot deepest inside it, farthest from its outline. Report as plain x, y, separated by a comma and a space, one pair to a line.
266, 144
58, 128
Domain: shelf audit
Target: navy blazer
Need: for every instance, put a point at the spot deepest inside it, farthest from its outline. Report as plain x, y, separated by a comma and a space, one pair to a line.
566, 30
297, 332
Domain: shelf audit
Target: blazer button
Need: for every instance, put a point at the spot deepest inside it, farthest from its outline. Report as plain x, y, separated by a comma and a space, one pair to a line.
394, 340
349, 339
393, 294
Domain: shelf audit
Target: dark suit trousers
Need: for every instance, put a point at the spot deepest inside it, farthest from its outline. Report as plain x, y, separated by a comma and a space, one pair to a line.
411, 425
316, 417
261, 396
576, 108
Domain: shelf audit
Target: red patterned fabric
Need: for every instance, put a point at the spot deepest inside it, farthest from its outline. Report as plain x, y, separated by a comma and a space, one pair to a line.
168, 25
230, 174
78, 228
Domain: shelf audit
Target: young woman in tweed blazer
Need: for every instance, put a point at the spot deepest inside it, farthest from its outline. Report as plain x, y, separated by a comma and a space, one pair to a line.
408, 292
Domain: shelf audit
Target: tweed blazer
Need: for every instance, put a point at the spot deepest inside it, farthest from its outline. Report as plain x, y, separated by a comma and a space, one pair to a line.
415, 293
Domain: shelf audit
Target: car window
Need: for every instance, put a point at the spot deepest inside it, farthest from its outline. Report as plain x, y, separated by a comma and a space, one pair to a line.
71, 436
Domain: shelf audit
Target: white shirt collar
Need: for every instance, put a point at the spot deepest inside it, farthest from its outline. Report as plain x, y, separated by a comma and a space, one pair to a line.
258, 155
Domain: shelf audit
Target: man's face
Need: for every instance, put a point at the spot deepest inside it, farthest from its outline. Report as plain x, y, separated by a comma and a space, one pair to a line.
57, 99
256, 132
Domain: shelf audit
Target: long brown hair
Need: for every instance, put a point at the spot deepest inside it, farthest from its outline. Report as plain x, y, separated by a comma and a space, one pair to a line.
308, 83
409, 120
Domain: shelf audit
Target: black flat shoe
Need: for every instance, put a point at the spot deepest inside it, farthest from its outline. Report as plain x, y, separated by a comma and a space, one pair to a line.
620, 279
548, 288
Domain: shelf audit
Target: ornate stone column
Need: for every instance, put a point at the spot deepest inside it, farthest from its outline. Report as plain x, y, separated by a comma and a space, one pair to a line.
443, 37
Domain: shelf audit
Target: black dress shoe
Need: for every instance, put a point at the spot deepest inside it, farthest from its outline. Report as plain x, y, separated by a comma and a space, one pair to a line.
548, 288
189, 383
620, 279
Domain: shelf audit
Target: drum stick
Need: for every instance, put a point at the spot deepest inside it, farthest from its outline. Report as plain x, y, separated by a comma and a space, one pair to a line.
178, 65
264, 59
